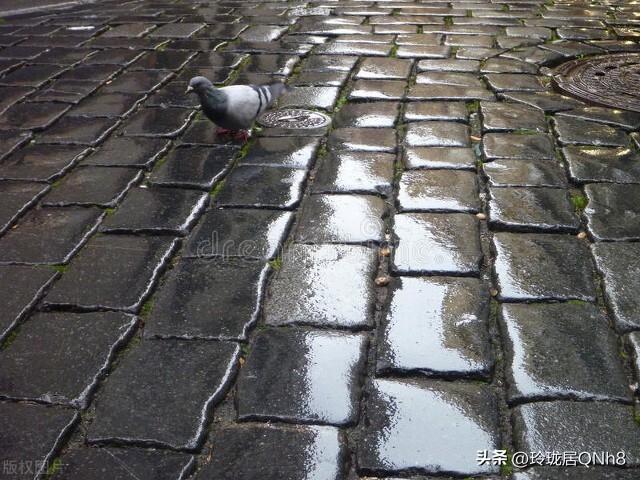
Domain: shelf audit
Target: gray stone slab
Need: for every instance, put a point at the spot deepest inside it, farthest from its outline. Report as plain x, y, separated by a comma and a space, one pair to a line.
373, 114
543, 267
211, 298
171, 402
511, 116
363, 139
514, 82
602, 164
548, 102
446, 244
245, 452
613, 211
619, 265
341, 219
40, 162
565, 426
158, 122
438, 191
423, 332
16, 198
50, 235
447, 111
310, 97
448, 158
293, 152
314, 359
384, 69
355, 172
324, 285
157, 210
532, 173
561, 351
437, 134
428, 427
449, 92
112, 272
532, 209
31, 116
128, 152
32, 434
377, 90
74, 352
576, 131
617, 118
77, 131
535, 146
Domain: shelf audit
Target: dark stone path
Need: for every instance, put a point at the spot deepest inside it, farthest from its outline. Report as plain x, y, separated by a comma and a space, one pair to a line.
443, 279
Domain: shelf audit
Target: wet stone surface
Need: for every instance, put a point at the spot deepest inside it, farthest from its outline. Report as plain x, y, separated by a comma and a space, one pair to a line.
543, 267
587, 426
157, 211
438, 191
16, 198
602, 164
78, 131
355, 172
450, 158
245, 452
363, 139
161, 410
531, 209
101, 275
437, 244
511, 116
340, 278
437, 134
315, 358
423, 331
341, 219
108, 105
40, 162
613, 211
620, 268
294, 152
212, 298
76, 348
576, 131
536, 146
561, 351
374, 114
447, 111
128, 152
48, 235
417, 426
532, 173
157, 122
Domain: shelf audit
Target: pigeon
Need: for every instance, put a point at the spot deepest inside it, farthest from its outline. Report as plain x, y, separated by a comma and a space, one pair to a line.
234, 109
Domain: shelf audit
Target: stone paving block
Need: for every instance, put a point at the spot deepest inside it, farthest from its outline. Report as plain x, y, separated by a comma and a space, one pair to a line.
535, 146
245, 452
511, 116
315, 358
374, 114
158, 122
239, 233
310, 97
341, 219
340, 278
454, 79
448, 111
128, 30
437, 134
617, 118
384, 69
548, 102
438, 191
74, 353
613, 211
170, 404
31, 116
163, 60
122, 464
202, 132
102, 186
543, 267
561, 351
377, 90
11, 95
321, 63
448, 92
602, 164
575, 131
423, 332
11, 140
40, 162
114, 56
363, 139
422, 51
21, 287
262, 187
450, 158
619, 265
95, 73
272, 64
565, 426
31, 75
445, 244
108, 105
157, 211
355, 172
514, 82
112, 272
78, 131
173, 94
66, 91
193, 167
63, 56
136, 152
49, 235
210, 298
294, 152
328, 78
138, 82
177, 30
416, 427
354, 48
16, 198
531, 209
532, 173
448, 65
32, 434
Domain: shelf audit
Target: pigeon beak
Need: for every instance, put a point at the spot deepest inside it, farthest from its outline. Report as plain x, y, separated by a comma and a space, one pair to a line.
189, 89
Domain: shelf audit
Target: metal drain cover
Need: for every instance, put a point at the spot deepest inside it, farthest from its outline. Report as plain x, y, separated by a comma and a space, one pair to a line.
611, 80
294, 118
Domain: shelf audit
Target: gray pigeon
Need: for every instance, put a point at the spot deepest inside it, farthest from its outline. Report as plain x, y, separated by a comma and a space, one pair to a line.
236, 107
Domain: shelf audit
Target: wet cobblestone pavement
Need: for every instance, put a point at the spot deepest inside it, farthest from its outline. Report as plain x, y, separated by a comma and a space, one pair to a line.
450, 267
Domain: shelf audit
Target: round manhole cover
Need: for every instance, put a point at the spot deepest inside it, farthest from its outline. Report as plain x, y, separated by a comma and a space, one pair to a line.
611, 80
294, 118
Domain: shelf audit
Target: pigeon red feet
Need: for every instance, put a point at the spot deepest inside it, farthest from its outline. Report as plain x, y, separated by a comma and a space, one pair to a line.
242, 135
235, 134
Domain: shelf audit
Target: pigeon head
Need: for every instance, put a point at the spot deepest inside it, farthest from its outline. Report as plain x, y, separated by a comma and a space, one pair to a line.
199, 85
